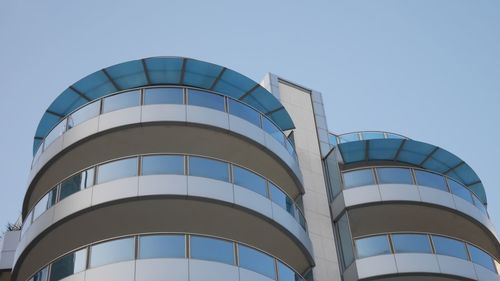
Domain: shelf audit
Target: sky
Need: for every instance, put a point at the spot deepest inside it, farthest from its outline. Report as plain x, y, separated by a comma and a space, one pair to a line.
427, 69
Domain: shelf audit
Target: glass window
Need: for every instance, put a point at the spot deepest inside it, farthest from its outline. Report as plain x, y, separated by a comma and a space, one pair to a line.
394, 175
27, 223
449, 247
83, 114
273, 130
76, 183
372, 246
249, 180
117, 169
162, 246
358, 178
212, 249
411, 243
119, 101
285, 273
349, 137
256, 261
112, 251
243, 111
345, 240
372, 135
58, 130
208, 168
480, 257
302, 220
430, 180
163, 96
206, 99
479, 204
40, 275
41, 206
163, 165
68, 265
52, 200
460, 191
280, 198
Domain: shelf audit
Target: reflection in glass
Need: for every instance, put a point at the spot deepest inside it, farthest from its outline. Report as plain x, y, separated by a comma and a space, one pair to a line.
117, 169
162, 246
52, 197
394, 175
349, 137
372, 246
256, 261
345, 240
460, 190
163, 165
280, 198
480, 257
112, 251
40, 207
358, 178
449, 247
243, 111
205, 99
411, 243
68, 265
40, 275
163, 96
208, 168
27, 222
479, 204
83, 114
430, 180
76, 183
212, 249
372, 135
119, 101
55, 133
273, 130
249, 180
285, 273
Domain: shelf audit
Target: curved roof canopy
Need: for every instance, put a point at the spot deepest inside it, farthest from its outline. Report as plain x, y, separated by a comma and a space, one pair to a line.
416, 153
162, 71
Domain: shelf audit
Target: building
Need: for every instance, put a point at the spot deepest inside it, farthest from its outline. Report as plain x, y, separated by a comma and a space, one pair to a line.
171, 168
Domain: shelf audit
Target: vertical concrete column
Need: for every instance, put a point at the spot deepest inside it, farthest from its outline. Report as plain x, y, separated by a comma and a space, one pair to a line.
304, 110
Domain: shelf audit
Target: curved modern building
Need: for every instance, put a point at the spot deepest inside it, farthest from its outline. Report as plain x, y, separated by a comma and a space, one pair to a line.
171, 168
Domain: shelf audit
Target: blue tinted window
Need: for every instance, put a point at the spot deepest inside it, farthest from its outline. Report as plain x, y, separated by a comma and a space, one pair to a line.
280, 198
68, 265
163, 96
83, 114
40, 275
449, 247
256, 261
285, 273
273, 130
212, 249
372, 246
411, 243
358, 178
40, 207
480, 257
162, 246
479, 204
349, 137
243, 111
119, 101
206, 99
117, 170
77, 182
302, 220
52, 197
430, 180
460, 191
163, 164
208, 168
394, 175
249, 180
112, 251
345, 240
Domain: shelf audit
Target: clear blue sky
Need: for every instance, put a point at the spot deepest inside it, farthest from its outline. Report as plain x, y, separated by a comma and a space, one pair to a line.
424, 68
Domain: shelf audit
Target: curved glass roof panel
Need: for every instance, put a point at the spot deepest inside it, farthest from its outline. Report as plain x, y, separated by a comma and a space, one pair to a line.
162, 71
419, 154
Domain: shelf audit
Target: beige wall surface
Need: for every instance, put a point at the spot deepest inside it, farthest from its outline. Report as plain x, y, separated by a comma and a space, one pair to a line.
298, 103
